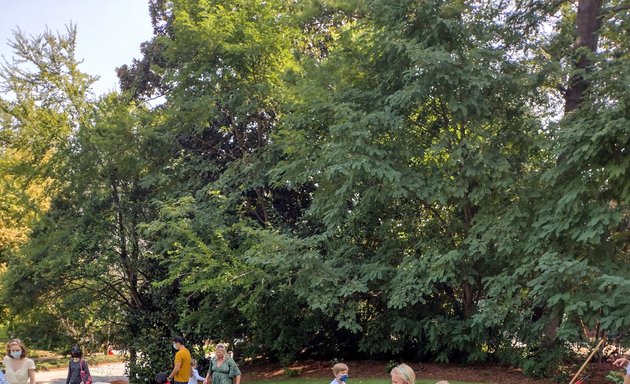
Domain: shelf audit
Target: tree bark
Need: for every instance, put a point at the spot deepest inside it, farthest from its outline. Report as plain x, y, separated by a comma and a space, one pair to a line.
587, 25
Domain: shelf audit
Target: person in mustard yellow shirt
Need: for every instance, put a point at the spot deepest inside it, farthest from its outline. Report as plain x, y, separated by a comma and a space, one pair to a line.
181, 366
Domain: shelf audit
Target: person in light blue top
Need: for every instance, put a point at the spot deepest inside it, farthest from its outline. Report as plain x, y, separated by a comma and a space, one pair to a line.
195, 378
340, 371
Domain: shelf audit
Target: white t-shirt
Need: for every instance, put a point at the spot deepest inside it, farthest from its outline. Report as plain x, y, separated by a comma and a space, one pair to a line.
19, 376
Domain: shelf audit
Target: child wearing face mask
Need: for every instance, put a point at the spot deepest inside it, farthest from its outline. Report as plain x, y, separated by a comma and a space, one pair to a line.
78, 371
340, 371
19, 369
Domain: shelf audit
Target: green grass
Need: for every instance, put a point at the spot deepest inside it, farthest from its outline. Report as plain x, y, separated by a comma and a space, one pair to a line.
351, 381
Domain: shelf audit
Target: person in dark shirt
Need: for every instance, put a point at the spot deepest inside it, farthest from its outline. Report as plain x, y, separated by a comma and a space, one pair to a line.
76, 367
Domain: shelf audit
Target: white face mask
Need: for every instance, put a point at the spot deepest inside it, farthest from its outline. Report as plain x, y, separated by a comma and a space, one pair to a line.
174, 346
16, 354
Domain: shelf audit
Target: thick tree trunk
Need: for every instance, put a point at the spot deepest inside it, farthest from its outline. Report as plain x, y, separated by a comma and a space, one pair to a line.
587, 25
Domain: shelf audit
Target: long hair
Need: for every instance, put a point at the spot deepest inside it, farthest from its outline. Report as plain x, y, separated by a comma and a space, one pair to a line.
19, 343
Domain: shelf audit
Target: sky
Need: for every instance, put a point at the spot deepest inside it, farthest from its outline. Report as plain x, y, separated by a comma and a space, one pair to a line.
109, 32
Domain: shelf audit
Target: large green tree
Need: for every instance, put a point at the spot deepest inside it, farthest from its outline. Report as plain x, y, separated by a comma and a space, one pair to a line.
412, 131
45, 97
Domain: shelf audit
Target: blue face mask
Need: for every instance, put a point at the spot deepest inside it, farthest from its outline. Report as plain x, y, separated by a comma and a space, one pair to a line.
16, 354
344, 378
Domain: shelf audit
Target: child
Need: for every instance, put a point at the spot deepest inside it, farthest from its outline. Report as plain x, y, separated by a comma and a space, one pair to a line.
404, 374
340, 371
161, 378
194, 377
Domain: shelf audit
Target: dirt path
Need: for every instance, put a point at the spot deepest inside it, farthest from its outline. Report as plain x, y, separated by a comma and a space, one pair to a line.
104, 373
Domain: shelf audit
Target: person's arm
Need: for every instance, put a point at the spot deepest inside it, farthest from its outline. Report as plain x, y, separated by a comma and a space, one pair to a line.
31, 376
176, 368
31, 371
197, 376
86, 369
236, 372
208, 379
68, 378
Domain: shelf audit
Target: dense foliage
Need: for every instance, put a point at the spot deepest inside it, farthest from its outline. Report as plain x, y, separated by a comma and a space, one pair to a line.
422, 180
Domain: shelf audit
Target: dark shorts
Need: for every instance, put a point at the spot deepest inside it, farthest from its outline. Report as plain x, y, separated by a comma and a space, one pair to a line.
180, 382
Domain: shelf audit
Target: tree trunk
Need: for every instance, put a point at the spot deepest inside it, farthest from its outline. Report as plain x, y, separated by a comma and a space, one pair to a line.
587, 25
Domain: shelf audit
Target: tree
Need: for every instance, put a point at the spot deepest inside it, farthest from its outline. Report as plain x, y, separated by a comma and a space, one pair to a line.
46, 98
395, 177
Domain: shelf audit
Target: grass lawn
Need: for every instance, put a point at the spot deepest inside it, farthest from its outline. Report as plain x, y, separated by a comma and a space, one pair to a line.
350, 381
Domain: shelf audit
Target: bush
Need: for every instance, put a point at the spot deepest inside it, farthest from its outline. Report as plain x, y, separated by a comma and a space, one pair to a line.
390, 365
290, 372
615, 377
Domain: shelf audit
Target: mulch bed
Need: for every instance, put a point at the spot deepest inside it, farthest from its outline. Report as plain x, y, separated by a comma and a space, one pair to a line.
378, 369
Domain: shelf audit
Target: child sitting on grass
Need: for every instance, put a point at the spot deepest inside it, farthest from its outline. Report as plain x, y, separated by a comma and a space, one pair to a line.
404, 374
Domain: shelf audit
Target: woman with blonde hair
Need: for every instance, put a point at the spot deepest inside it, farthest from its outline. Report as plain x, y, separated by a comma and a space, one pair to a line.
223, 369
404, 374
19, 369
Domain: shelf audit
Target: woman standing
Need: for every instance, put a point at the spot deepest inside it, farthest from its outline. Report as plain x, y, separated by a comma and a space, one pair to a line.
19, 368
223, 369
78, 371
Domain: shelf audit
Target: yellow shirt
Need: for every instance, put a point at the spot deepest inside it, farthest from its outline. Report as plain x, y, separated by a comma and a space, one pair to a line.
183, 357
